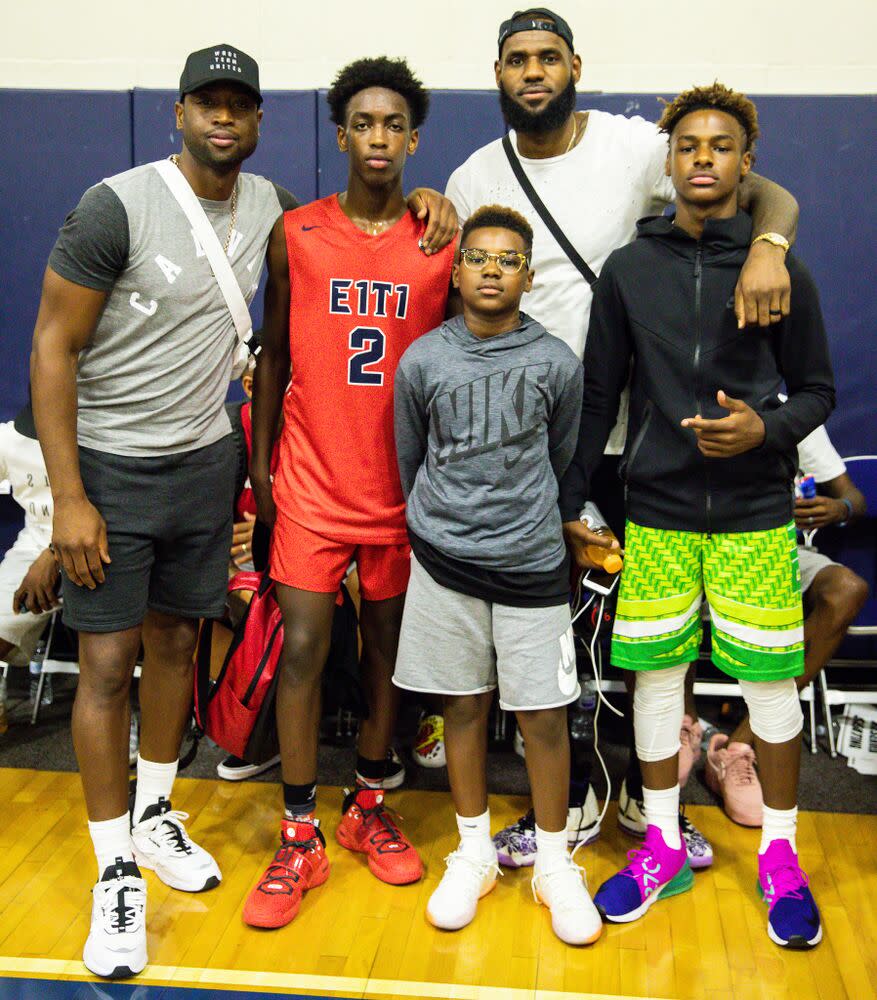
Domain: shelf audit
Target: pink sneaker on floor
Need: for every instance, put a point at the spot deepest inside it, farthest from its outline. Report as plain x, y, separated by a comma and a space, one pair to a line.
689, 747
730, 774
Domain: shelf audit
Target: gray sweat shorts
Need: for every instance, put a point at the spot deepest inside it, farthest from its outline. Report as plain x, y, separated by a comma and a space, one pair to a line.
459, 645
169, 522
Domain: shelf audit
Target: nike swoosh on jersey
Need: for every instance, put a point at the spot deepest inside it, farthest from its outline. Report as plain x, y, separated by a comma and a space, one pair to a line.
307, 229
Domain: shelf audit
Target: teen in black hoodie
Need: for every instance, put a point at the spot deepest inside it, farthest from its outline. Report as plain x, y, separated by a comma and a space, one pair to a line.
708, 470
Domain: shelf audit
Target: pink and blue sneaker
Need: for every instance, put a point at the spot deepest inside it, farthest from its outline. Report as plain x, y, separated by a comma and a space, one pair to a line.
792, 916
655, 872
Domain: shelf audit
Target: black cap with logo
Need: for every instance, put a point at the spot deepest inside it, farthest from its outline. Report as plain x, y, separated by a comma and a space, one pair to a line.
535, 19
220, 63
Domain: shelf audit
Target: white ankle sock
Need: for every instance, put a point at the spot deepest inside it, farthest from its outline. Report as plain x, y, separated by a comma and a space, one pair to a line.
111, 839
154, 782
661, 808
779, 824
475, 836
551, 850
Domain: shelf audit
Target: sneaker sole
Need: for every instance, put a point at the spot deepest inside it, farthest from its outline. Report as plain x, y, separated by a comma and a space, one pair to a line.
242, 773
459, 927
594, 937
386, 783
592, 834
508, 861
630, 829
795, 943
681, 882
381, 876
134, 968
429, 762
211, 882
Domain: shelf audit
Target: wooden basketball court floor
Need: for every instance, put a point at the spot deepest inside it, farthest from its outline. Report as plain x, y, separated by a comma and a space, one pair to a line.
356, 937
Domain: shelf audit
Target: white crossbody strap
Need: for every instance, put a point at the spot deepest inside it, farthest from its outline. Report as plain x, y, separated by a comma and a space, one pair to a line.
206, 235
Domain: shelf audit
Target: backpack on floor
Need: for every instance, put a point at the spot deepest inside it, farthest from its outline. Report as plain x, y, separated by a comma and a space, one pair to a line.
227, 709
236, 711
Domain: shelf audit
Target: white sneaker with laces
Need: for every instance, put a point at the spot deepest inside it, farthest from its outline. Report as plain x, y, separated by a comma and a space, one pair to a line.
116, 944
583, 822
464, 882
574, 918
162, 845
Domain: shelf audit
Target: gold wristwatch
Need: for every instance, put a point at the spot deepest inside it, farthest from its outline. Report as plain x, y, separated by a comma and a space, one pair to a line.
775, 239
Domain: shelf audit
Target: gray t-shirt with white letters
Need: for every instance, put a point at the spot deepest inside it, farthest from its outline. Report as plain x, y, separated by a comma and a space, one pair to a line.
153, 378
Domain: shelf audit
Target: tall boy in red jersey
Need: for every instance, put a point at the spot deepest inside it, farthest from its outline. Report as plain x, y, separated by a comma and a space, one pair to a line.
349, 290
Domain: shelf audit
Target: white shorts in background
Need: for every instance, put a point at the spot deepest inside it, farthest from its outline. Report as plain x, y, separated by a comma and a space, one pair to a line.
811, 562
459, 645
22, 630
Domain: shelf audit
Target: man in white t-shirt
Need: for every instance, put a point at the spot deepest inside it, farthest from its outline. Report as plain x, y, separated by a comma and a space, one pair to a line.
597, 174
28, 572
833, 596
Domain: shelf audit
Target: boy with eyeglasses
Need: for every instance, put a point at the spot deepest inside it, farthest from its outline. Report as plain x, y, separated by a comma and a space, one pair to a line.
487, 408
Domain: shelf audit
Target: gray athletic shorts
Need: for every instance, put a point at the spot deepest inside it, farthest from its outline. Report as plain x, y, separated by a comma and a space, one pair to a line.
811, 562
169, 522
455, 644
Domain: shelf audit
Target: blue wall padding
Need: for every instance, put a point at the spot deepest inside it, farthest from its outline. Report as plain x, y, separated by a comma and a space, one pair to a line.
820, 147
55, 145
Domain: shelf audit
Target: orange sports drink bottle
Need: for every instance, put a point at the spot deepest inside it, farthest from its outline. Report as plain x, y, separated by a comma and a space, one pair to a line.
609, 560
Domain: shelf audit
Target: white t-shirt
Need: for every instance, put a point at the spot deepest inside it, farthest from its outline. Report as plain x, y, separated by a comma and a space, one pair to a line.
21, 463
817, 457
596, 193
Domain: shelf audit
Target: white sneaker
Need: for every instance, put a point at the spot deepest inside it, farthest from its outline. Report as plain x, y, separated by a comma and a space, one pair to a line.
631, 817
583, 822
116, 944
162, 845
574, 918
464, 882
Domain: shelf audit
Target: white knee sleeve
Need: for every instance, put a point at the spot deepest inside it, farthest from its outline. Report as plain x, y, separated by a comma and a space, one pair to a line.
658, 704
774, 709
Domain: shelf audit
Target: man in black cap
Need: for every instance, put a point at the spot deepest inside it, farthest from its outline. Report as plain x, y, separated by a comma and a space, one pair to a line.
132, 356
596, 174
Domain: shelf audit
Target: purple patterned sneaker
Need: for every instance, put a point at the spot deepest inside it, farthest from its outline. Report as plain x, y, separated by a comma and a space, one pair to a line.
655, 871
792, 915
516, 844
697, 847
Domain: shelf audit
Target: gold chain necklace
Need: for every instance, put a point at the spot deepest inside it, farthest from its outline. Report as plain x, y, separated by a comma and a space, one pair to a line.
575, 132
175, 159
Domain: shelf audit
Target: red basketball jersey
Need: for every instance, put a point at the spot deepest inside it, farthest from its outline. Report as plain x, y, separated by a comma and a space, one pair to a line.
356, 303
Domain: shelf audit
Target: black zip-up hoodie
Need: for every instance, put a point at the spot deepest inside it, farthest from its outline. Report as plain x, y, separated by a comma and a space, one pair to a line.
666, 303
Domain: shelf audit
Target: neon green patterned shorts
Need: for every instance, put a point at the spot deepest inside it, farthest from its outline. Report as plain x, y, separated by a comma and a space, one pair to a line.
753, 585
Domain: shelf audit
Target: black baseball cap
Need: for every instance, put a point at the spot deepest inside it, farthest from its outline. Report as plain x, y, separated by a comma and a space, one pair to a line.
535, 19
217, 63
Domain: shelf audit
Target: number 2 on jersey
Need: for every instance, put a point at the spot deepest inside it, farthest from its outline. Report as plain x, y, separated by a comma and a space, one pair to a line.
368, 342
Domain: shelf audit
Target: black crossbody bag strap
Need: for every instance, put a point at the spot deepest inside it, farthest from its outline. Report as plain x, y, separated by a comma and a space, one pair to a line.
575, 257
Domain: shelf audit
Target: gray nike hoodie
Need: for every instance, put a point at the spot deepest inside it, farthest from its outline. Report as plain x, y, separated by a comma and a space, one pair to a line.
484, 431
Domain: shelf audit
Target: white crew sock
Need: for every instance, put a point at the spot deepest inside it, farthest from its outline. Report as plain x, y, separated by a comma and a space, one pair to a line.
111, 839
661, 808
475, 839
551, 850
779, 824
154, 782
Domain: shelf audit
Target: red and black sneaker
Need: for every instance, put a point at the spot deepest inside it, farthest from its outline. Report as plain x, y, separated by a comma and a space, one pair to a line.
366, 826
299, 864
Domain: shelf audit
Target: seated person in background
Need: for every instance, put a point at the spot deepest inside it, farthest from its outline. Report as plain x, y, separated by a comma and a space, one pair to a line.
241, 418
708, 468
487, 408
833, 596
28, 572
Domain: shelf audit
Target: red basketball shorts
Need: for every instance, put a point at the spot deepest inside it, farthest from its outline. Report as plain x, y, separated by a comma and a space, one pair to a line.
303, 559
